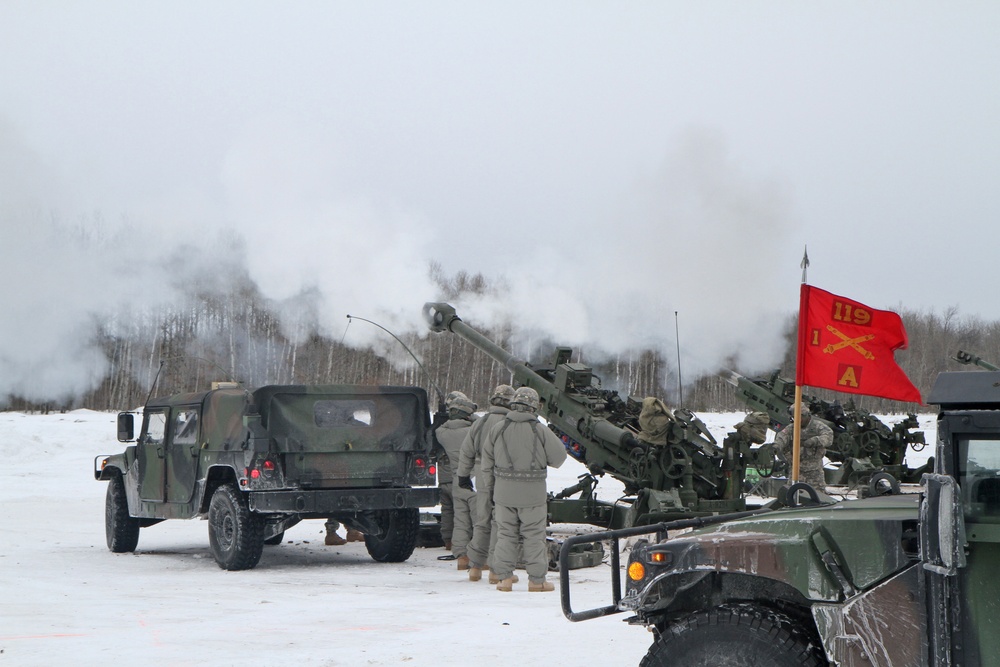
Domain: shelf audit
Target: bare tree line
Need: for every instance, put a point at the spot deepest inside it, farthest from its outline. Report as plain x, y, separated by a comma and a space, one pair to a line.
237, 335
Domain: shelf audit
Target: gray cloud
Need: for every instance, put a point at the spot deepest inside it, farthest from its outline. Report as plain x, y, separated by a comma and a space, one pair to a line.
612, 164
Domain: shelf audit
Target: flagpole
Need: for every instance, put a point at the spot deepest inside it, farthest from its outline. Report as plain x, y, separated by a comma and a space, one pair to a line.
797, 417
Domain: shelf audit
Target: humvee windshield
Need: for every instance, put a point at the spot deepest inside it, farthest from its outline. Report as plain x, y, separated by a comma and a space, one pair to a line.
979, 467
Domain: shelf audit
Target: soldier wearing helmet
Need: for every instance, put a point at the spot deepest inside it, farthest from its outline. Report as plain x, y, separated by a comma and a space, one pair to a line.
814, 439
515, 458
484, 533
450, 436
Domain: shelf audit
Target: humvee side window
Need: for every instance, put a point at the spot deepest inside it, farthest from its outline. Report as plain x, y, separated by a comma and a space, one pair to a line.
185, 427
347, 413
979, 467
156, 427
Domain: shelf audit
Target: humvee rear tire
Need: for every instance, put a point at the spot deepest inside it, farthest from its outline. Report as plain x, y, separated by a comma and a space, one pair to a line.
400, 528
235, 534
735, 635
121, 530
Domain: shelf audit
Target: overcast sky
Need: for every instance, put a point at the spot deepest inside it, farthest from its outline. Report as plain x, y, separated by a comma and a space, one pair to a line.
613, 162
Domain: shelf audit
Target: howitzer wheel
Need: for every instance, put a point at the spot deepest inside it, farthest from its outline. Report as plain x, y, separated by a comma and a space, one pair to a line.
735, 635
674, 461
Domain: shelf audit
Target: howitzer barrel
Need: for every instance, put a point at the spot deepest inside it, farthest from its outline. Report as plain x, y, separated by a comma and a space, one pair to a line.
771, 396
969, 358
574, 417
441, 317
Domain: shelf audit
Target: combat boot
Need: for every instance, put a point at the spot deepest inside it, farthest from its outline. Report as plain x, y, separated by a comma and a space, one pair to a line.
507, 585
462, 563
494, 579
540, 587
475, 573
355, 535
447, 545
334, 540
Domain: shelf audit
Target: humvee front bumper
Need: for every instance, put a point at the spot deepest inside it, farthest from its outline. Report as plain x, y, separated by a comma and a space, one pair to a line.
326, 501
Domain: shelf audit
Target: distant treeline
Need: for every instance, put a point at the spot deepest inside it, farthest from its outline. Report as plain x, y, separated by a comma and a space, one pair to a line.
239, 335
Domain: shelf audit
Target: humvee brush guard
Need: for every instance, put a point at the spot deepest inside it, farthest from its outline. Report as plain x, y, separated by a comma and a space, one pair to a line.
256, 463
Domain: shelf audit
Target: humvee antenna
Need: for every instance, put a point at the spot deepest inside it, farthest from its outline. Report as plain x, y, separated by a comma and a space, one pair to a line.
155, 378
436, 388
207, 361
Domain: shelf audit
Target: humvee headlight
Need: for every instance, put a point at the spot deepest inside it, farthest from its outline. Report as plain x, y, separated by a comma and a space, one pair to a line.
660, 558
636, 571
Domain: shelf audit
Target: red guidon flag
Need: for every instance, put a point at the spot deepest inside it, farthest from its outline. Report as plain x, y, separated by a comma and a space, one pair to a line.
847, 346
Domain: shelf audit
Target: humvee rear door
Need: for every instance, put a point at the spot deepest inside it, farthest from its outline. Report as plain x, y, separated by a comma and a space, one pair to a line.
335, 440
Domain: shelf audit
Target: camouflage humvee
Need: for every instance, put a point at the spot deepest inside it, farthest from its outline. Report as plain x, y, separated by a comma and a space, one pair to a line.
887, 581
256, 463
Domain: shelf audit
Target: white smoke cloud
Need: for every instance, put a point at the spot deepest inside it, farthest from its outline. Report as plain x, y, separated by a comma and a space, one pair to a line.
698, 238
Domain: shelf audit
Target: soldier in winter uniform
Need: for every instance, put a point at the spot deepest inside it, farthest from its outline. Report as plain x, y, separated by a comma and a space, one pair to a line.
484, 533
814, 438
457, 529
515, 457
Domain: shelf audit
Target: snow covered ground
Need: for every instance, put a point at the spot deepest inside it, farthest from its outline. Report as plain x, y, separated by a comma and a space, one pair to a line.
66, 600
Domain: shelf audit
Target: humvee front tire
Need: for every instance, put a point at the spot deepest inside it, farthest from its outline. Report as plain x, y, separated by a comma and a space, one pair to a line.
398, 538
734, 635
235, 534
121, 530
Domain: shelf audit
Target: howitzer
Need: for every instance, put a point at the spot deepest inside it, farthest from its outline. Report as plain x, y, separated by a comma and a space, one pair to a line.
679, 470
969, 358
862, 443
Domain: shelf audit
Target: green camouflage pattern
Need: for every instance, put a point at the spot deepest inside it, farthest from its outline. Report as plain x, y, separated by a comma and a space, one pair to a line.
311, 438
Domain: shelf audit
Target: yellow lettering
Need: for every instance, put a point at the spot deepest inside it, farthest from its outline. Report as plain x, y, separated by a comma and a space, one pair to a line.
848, 378
845, 312
815, 340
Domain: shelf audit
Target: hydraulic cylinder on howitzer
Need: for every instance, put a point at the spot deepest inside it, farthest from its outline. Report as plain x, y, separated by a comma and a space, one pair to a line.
570, 411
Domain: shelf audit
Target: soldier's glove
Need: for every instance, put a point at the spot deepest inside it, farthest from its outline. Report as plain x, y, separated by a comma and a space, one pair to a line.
465, 483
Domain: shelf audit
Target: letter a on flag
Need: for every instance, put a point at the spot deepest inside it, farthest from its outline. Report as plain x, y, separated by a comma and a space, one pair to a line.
847, 346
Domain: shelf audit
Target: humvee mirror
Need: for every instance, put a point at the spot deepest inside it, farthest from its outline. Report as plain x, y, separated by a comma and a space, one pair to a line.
942, 528
126, 427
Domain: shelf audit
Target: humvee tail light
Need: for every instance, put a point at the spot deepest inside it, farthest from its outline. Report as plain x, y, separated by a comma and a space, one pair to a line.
432, 470
268, 464
636, 571
419, 463
254, 474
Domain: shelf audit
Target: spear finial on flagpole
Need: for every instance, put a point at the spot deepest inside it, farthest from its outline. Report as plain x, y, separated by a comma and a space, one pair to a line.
797, 406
